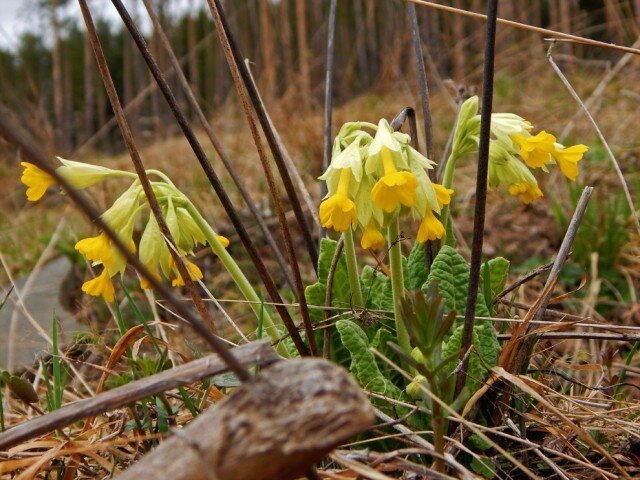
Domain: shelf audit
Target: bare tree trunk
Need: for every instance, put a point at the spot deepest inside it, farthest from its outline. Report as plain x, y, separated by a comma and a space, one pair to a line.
287, 44
361, 47
636, 5
192, 41
614, 21
58, 81
89, 89
68, 115
565, 22
303, 53
458, 43
268, 75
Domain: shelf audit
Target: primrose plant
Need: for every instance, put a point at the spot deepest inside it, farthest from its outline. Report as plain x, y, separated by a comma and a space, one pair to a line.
187, 226
375, 181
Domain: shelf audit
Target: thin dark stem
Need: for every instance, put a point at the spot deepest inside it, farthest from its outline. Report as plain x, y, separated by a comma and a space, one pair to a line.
296, 205
112, 94
237, 66
424, 88
212, 177
193, 102
481, 189
328, 90
17, 137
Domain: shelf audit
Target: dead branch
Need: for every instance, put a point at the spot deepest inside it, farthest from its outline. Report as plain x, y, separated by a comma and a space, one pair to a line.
276, 426
259, 353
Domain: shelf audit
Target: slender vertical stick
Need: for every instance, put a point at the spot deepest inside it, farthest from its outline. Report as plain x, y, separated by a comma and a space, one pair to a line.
212, 177
235, 65
397, 283
328, 94
234, 50
193, 102
481, 189
422, 81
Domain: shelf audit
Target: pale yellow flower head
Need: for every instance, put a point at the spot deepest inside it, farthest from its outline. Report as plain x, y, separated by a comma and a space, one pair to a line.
506, 170
36, 180
82, 175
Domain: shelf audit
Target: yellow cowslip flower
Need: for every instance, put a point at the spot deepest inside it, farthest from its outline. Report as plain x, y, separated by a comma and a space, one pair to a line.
506, 170
395, 187
505, 125
443, 194
372, 237
37, 181
527, 192
100, 286
82, 175
194, 272
568, 158
430, 228
339, 211
96, 249
535, 150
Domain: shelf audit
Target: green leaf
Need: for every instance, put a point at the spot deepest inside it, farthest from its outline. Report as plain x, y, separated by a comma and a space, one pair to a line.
340, 292
498, 269
486, 344
417, 267
376, 288
483, 466
363, 363
451, 272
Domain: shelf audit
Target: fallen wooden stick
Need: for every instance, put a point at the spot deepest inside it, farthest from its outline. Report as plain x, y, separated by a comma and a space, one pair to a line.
275, 426
259, 353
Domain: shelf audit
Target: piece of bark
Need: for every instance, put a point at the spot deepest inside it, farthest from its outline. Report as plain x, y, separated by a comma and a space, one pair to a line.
276, 426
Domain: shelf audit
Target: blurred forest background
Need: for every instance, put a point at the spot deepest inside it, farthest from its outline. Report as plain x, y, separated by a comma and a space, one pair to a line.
51, 77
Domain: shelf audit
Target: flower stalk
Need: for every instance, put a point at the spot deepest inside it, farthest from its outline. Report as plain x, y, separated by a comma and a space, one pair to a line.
352, 268
238, 276
397, 283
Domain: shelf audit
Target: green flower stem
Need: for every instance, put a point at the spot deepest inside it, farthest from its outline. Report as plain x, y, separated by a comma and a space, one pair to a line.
352, 268
447, 181
397, 283
238, 277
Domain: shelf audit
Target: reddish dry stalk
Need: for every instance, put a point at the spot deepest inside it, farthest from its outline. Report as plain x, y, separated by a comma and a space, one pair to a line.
235, 67
137, 162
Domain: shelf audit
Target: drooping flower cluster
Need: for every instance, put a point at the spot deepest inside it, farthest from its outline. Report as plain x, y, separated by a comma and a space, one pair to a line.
372, 180
514, 150
121, 217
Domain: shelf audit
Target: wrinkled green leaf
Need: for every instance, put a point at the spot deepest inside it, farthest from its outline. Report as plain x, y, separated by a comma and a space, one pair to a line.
451, 272
417, 267
340, 292
376, 288
498, 270
363, 363
486, 344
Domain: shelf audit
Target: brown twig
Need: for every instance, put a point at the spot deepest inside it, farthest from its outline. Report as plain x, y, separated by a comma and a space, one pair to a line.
256, 353
137, 162
234, 56
222, 154
531, 28
244, 90
212, 176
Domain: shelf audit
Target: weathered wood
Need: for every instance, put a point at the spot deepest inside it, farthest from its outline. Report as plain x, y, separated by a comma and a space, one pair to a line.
259, 353
276, 426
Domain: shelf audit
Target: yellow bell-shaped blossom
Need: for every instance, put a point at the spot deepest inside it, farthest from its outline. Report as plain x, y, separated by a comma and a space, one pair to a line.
443, 194
507, 171
372, 237
36, 180
194, 272
96, 249
339, 211
568, 158
430, 228
100, 286
535, 150
394, 187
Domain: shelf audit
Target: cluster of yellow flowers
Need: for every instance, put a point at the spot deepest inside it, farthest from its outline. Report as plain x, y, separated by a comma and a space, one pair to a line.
374, 179
514, 150
121, 217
